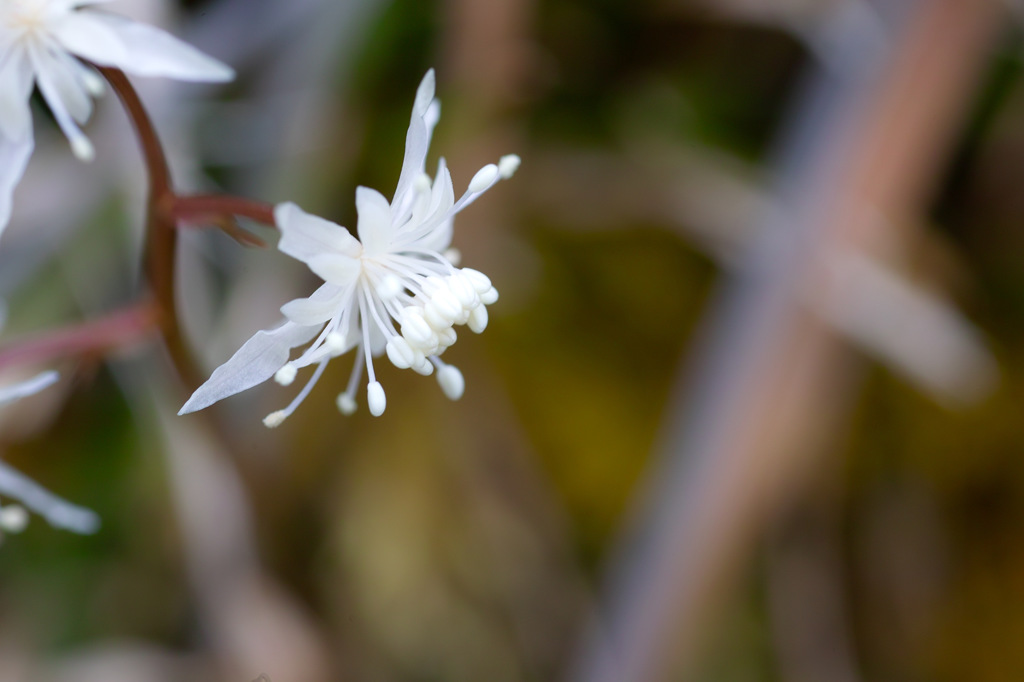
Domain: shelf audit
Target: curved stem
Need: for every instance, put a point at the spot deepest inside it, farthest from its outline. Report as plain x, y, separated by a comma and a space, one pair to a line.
161, 232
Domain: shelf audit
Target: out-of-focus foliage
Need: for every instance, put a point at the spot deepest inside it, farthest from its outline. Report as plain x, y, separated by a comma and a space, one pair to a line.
464, 541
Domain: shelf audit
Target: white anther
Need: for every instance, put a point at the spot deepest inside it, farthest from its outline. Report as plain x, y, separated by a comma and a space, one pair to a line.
286, 375
479, 280
435, 319
13, 518
94, 85
490, 296
421, 184
375, 398
447, 338
484, 178
508, 165
400, 352
82, 148
415, 328
390, 286
478, 319
452, 383
275, 419
346, 404
423, 367
433, 284
446, 304
335, 343
463, 290
453, 256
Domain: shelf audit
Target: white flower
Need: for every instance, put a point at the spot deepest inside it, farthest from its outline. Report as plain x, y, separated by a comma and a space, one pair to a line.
393, 290
60, 514
42, 42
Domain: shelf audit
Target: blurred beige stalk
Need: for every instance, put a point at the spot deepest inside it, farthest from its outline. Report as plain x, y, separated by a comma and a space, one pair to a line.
769, 380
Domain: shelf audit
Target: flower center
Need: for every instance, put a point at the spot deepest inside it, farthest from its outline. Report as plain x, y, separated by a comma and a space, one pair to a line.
28, 20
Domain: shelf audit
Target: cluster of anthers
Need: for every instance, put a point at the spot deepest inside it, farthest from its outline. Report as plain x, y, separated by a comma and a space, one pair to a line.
426, 299
396, 290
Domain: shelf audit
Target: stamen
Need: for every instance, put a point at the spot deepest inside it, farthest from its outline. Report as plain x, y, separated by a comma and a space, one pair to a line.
274, 419
508, 165
375, 398
364, 323
389, 287
286, 375
13, 518
334, 343
453, 256
82, 148
452, 383
478, 319
400, 353
347, 401
346, 404
484, 178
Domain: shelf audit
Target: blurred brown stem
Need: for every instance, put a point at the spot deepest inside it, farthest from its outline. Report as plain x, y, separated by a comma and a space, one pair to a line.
769, 380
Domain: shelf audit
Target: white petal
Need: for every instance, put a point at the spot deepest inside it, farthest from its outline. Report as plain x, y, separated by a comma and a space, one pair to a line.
335, 268
417, 141
87, 35
57, 512
16, 78
14, 157
439, 236
60, 70
424, 94
151, 52
255, 362
51, 78
304, 235
374, 226
316, 309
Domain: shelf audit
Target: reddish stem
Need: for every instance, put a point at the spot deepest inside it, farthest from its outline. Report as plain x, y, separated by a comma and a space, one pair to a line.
161, 232
116, 330
200, 207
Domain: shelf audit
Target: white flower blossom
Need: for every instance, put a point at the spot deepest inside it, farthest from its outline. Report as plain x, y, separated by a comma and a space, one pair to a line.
43, 43
393, 291
60, 514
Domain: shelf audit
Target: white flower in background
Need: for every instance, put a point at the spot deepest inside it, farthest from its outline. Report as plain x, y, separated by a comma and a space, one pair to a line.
42, 42
394, 290
60, 514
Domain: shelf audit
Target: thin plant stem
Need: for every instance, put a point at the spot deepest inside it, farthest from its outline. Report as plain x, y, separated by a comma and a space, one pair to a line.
113, 331
164, 210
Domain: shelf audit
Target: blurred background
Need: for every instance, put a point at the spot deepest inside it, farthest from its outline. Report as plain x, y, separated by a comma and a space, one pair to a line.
754, 384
